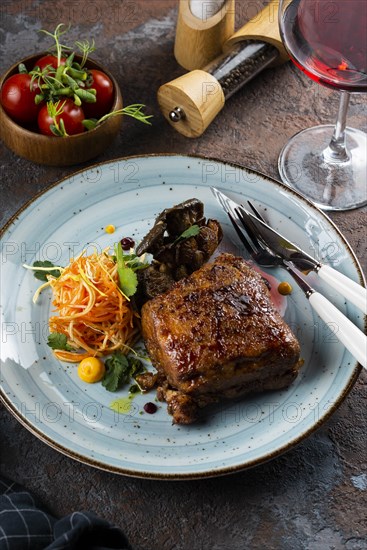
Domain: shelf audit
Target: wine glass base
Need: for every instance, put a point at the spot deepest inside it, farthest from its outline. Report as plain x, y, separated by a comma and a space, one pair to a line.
329, 185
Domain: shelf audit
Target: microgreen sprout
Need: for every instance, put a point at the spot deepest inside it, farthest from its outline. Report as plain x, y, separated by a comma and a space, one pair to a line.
135, 111
85, 47
69, 77
55, 110
56, 36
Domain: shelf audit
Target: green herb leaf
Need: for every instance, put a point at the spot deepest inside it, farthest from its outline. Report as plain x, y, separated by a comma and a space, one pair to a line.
42, 274
70, 82
39, 98
127, 277
22, 68
77, 100
62, 128
78, 75
136, 366
117, 372
56, 131
58, 341
135, 111
89, 96
85, 48
56, 36
70, 59
120, 369
134, 261
128, 281
90, 123
192, 231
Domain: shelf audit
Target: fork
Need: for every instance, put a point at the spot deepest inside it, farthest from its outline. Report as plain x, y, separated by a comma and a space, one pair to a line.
347, 333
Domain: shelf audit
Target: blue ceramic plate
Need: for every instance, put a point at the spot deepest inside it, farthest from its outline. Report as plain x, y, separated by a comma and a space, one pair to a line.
75, 418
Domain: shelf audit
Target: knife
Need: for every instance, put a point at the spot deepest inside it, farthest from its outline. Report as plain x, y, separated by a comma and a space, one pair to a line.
347, 332
290, 252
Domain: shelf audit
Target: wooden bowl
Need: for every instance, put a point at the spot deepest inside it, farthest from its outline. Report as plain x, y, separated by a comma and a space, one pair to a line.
59, 151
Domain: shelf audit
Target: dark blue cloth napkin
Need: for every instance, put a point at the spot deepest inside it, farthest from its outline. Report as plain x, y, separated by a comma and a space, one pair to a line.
24, 525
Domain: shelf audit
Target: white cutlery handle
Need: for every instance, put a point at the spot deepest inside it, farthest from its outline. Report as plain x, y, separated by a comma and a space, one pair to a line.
351, 336
351, 290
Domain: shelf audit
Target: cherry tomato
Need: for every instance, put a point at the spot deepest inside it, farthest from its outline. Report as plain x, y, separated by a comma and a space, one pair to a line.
47, 60
17, 98
71, 115
104, 95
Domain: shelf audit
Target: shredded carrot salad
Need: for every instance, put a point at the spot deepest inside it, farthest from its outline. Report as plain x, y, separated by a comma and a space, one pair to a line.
93, 313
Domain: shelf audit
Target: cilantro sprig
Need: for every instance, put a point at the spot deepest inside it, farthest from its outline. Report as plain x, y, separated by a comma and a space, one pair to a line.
127, 265
58, 341
119, 370
43, 268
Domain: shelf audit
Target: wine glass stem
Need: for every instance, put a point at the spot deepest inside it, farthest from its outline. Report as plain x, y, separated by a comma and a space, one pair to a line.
336, 152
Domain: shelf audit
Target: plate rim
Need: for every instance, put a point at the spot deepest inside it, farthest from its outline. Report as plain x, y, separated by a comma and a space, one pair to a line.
224, 470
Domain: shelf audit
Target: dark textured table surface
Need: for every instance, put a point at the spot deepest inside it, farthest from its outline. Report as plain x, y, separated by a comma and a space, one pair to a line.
314, 496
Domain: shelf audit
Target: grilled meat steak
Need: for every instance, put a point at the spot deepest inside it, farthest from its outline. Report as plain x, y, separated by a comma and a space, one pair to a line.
216, 334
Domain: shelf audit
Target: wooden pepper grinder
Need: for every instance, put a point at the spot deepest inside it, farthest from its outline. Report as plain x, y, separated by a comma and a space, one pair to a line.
202, 28
192, 101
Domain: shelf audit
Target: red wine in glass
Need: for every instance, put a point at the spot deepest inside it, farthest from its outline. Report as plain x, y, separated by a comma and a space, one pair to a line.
327, 40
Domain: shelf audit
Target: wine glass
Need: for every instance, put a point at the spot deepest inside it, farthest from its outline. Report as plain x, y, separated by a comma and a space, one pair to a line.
327, 40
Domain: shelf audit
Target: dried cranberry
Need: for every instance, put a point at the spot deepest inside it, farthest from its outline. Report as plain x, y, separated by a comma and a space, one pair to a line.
127, 243
150, 408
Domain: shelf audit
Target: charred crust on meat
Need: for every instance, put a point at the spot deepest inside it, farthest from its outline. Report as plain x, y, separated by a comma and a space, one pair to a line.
183, 408
216, 334
147, 380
